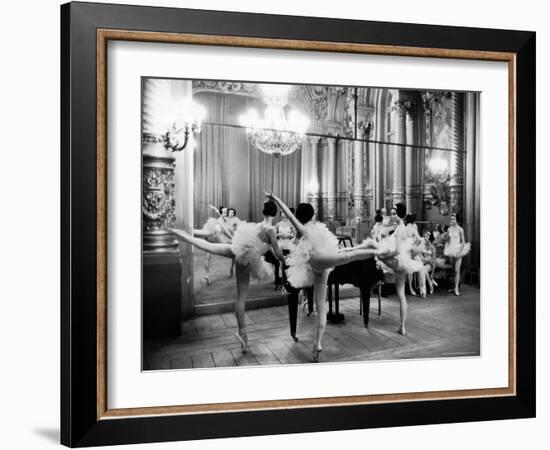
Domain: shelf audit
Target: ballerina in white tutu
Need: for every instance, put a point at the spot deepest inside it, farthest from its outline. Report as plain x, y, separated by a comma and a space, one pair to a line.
456, 248
250, 242
216, 230
402, 262
316, 254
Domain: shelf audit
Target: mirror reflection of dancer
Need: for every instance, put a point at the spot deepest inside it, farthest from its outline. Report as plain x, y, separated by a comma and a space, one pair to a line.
250, 242
417, 251
215, 230
456, 248
316, 254
401, 262
428, 258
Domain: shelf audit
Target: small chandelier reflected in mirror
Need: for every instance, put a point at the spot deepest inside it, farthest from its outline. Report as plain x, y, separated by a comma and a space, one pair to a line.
281, 129
187, 117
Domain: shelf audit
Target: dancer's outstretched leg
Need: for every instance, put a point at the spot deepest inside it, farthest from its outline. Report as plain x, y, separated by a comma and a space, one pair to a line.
322, 261
243, 282
210, 247
203, 234
320, 294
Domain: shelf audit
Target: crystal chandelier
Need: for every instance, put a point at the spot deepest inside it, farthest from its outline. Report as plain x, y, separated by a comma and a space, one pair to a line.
281, 130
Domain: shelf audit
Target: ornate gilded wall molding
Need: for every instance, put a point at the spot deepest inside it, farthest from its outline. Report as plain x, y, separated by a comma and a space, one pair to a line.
226, 87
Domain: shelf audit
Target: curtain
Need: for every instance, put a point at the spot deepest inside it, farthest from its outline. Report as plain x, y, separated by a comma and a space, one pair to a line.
281, 175
229, 171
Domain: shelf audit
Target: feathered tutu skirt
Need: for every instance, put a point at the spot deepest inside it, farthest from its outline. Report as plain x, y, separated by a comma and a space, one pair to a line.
456, 250
214, 228
286, 244
249, 251
317, 240
403, 261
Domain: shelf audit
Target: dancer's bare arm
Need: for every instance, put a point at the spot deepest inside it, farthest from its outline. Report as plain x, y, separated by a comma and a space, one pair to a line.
297, 224
275, 245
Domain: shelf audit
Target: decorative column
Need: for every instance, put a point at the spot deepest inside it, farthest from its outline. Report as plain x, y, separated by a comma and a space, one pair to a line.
370, 171
330, 180
427, 104
358, 183
398, 172
412, 187
457, 156
312, 183
158, 208
342, 178
162, 267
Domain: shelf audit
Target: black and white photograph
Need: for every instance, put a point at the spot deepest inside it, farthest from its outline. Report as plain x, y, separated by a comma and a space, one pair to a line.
297, 224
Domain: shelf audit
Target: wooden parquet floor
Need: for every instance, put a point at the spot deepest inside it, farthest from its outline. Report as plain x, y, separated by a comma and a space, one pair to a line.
440, 326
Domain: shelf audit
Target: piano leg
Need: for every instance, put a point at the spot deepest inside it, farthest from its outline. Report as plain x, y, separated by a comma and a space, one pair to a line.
337, 316
329, 298
309, 295
365, 301
292, 298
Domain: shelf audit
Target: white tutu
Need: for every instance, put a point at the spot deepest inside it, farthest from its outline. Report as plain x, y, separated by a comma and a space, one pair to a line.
286, 244
317, 238
211, 226
403, 261
249, 250
456, 250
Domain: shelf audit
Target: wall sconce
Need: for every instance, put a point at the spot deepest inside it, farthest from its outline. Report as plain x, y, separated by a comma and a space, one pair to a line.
438, 176
181, 133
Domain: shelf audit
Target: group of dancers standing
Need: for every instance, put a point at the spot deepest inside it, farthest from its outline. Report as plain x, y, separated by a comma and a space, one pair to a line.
429, 251
308, 251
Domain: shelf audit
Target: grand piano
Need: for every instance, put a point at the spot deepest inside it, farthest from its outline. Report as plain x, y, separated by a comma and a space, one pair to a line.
363, 274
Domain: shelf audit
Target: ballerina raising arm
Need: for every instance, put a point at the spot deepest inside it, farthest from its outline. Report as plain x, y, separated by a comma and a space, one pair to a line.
321, 260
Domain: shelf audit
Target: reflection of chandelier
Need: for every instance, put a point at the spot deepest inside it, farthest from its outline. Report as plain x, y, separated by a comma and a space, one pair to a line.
186, 120
277, 133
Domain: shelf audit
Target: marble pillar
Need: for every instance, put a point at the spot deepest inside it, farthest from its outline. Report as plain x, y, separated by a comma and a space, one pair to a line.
358, 181
413, 188
398, 163
312, 187
330, 179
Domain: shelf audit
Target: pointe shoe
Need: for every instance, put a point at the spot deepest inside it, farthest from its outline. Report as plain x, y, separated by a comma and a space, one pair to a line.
423, 293
294, 337
401, 330
243, 339
413, 293
315, 354
456, 292
207, 279
435, 283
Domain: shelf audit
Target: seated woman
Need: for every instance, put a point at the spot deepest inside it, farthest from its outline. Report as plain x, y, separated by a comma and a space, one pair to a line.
250, 242
316, 254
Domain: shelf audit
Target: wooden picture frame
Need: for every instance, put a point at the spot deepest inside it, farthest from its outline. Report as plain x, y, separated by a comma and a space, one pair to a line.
85, 416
